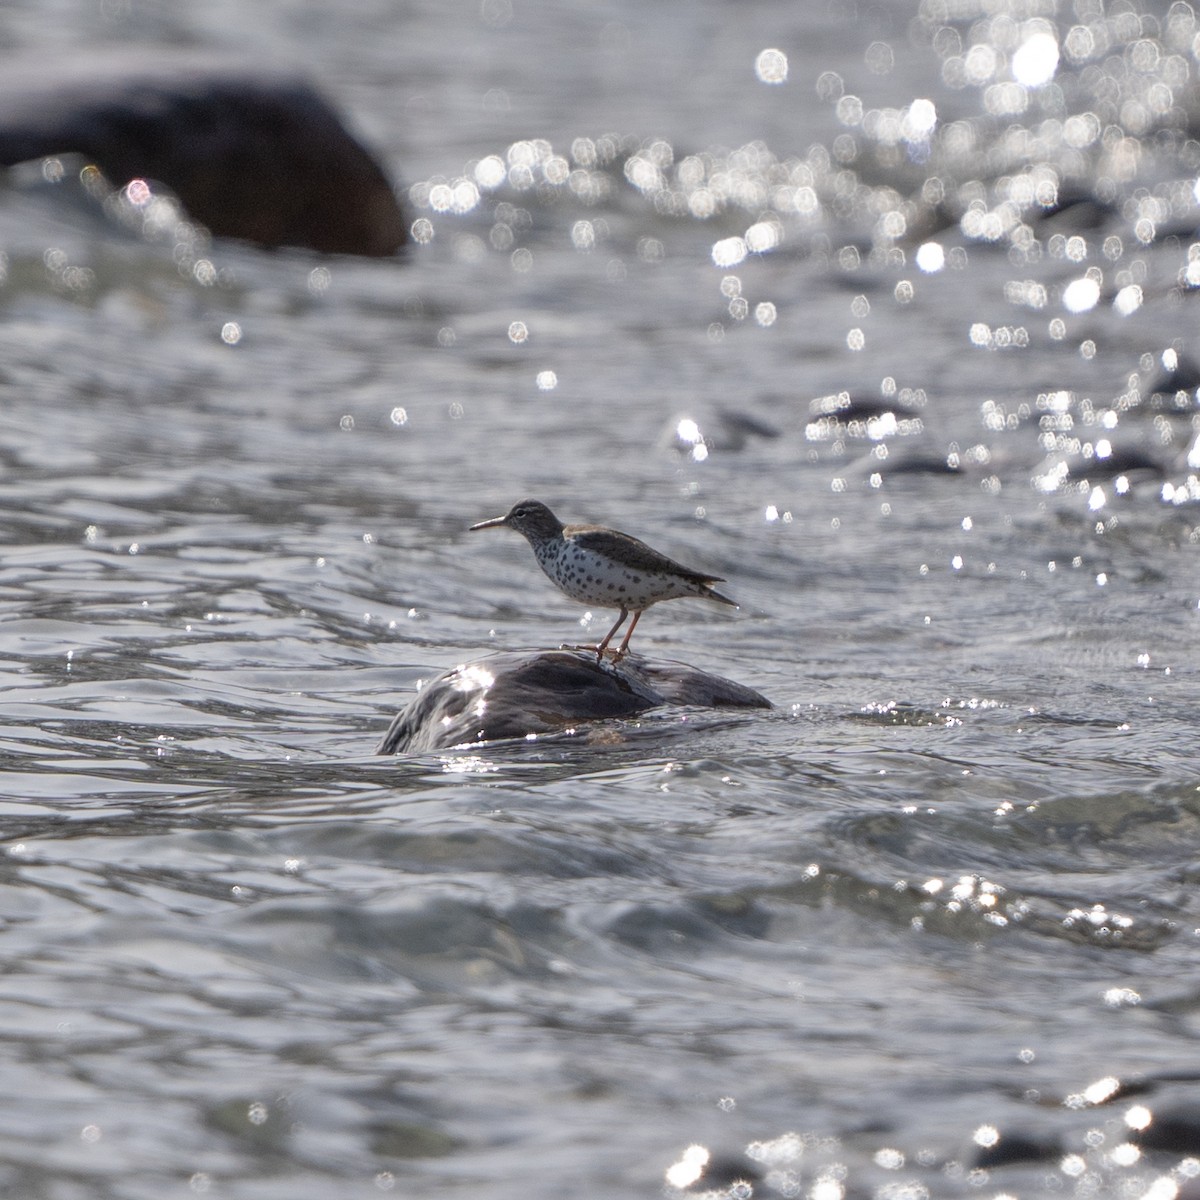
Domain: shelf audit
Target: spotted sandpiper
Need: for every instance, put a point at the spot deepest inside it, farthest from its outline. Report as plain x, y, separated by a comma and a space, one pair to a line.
599, 566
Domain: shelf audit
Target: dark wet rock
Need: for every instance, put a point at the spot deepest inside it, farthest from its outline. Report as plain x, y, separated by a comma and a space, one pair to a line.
898, 459
1118, 460
1184, 376
1127, 460
1174, 1128
1074, 211
845, 417
919, 462
727, 1174
1019, 1147
728, 430
512, 695
250, 151
738, 429
847, 407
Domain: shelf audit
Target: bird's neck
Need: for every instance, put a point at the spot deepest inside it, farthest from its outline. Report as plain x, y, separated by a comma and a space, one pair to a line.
547, 547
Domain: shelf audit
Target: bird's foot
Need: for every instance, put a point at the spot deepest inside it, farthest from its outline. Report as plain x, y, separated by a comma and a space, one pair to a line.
601, 652
591, 647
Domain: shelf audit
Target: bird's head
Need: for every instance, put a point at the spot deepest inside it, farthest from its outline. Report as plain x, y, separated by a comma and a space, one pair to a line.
529, 517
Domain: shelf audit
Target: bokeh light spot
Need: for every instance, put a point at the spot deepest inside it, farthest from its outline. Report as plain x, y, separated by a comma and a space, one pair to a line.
490, 172
1036, 60
1081, 295
931, 258
1128, 300
728, 252
771, 66
880, 58
762, 236
920, 121
689, 1168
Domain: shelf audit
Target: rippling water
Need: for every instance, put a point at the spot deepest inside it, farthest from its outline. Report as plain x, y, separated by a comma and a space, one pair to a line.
894, 329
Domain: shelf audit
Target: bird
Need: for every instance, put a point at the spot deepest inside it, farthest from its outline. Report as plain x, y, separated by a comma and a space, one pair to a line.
605, 568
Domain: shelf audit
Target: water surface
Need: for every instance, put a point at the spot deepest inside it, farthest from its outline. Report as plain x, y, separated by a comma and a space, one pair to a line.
940, 896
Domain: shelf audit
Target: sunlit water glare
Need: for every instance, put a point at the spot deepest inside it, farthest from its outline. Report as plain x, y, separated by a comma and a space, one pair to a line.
885, 317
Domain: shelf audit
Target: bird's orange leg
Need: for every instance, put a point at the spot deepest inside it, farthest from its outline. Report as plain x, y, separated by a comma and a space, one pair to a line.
628, 634
608, 637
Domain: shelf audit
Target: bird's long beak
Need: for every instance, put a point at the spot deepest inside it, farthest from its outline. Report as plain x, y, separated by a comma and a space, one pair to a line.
492, 524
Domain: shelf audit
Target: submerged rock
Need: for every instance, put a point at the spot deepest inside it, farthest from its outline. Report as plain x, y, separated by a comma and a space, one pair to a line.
251, 151
511, 695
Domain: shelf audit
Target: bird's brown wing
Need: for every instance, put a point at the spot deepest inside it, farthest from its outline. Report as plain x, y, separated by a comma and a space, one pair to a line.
631, 552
